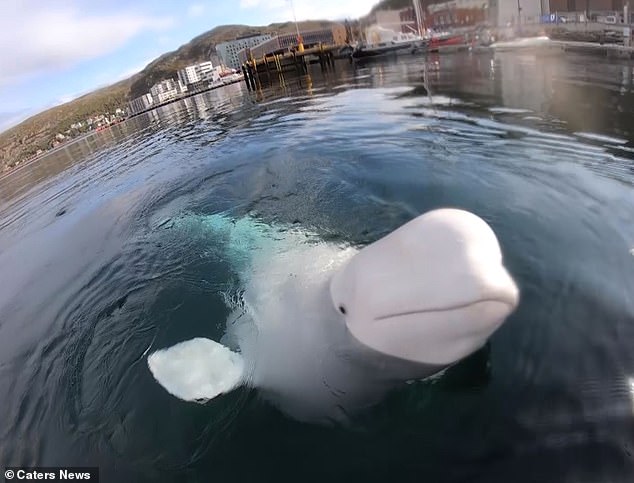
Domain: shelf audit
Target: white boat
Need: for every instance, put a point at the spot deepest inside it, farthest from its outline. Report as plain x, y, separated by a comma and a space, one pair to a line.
382, 41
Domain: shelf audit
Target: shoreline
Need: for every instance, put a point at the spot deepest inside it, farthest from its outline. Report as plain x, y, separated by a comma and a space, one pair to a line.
30, 161
590, 49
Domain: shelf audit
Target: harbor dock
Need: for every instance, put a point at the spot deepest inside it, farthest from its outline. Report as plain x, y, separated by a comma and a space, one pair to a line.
296, 61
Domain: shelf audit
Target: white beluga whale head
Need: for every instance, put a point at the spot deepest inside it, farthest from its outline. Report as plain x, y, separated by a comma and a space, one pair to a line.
433, 291
324, 329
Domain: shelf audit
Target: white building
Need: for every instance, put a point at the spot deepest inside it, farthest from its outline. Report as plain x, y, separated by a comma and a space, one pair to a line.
388, 20
204, 72
531, 11
140, 104
167, 90
228, 51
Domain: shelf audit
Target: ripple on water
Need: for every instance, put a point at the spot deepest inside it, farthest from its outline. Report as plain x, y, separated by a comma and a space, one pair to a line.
128, 266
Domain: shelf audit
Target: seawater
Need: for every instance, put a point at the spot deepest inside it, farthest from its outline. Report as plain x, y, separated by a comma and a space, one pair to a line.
103, 258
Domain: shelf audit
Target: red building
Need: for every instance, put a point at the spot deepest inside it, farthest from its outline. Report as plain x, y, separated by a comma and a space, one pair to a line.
452, 14
408, 20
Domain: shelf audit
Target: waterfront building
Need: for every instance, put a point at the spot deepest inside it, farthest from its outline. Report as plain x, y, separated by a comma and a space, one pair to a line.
389, 20
199, 75
589, 5
193, 74
167, 90
228, 51
458, 14
440, 14
140, 104
522, 12
284, 43
435, 15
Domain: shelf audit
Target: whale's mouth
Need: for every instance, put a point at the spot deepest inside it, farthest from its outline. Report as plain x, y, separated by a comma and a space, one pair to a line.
435, 335
510, 302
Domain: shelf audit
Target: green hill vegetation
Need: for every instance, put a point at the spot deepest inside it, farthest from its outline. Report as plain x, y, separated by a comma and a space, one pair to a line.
37, 133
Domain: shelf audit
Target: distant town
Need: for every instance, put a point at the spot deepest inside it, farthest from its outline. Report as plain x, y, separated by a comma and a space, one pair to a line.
576, 20
222, 69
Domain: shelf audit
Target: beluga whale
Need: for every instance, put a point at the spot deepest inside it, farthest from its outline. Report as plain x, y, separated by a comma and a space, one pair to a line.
323, 330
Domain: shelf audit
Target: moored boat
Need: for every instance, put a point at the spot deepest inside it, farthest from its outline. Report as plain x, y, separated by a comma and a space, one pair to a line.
386, 42
446, 40
384, 48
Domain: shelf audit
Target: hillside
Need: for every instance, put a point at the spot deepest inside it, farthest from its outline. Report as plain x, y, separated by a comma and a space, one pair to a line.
37, 132
23, 141
391, 5
202, 46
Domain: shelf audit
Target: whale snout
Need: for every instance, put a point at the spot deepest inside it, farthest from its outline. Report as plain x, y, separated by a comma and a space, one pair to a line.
499, 291
442, 334
432, 291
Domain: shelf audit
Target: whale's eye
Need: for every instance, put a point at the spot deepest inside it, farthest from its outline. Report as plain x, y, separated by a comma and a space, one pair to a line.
342, 309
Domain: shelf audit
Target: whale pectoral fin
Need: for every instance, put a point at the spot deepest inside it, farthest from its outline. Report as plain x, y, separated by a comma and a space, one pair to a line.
197, 370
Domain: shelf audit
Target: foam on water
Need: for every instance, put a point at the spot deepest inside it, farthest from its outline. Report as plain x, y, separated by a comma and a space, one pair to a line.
523, 42
601, 138
508, 110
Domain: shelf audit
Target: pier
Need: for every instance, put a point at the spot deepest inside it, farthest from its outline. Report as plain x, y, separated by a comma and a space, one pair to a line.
296, 62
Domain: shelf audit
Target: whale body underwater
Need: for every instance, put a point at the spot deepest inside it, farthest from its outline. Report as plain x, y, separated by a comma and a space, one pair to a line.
323, 330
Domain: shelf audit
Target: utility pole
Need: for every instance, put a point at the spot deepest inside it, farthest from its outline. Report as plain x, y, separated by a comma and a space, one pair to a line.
519, 12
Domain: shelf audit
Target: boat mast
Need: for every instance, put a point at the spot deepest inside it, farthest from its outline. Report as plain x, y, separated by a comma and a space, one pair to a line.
418, 12
300, 41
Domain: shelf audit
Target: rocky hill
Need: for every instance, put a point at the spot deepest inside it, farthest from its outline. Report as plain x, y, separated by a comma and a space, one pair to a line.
201, 47
23, 141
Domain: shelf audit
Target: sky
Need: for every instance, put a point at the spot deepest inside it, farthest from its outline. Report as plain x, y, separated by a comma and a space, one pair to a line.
52, 51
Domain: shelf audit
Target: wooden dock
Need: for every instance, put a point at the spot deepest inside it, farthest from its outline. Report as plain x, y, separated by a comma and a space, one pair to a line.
269, 67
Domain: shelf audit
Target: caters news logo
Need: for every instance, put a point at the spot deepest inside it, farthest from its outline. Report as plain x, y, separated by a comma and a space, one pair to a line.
51, 474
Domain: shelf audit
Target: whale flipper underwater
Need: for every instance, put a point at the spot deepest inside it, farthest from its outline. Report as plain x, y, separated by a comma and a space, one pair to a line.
324, 330
197, 370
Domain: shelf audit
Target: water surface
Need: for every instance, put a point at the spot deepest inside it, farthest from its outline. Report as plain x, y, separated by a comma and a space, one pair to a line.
103, 256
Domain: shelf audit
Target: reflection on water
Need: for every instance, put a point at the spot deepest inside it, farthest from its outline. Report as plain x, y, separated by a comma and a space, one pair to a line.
573, 94
96, 270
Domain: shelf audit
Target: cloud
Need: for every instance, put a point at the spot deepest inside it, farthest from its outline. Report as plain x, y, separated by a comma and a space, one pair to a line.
249, 3
195, 10
50, 39
310, 9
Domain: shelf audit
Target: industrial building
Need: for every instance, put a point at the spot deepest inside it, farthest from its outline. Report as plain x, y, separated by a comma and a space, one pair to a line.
456, 14
228, 51
283, 43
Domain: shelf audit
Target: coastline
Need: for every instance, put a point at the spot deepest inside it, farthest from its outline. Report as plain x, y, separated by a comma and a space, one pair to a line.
83, 136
